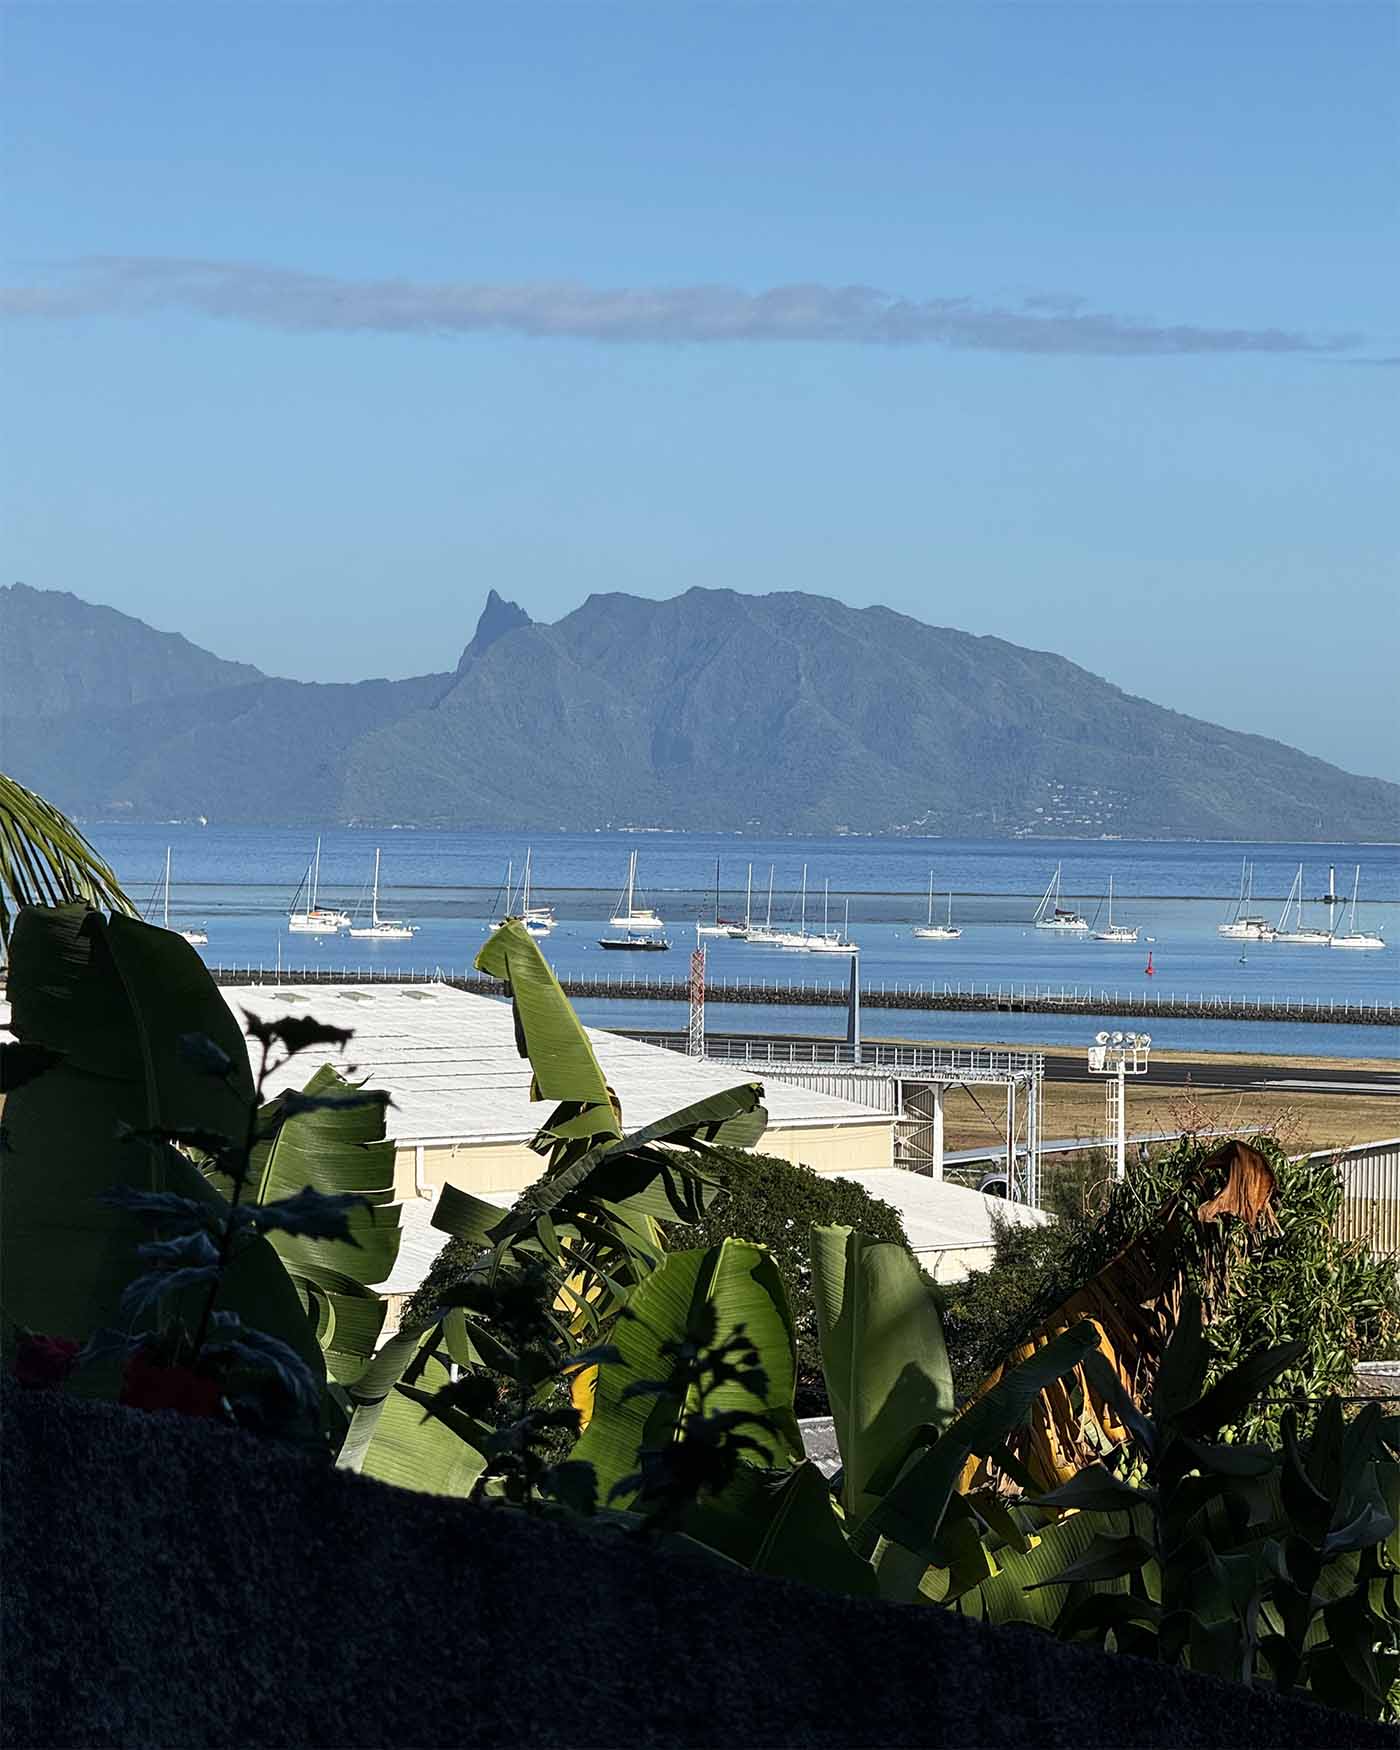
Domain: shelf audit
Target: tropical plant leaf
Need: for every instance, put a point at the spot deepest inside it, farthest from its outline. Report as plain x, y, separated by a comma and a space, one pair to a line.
1018, 1592
465, 1217
114, 998
549, 1033
784, 1524
46, 861
883, 1354
912, 1510
740, 1283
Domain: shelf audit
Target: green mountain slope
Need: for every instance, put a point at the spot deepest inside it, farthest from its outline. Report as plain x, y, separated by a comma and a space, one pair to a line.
714, 709
59, 654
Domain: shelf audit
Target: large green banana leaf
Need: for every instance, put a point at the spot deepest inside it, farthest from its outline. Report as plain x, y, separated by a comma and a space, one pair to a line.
883, 1353
786, 1525
549, 1033
336, 1149
911, 1508
740, 1282
389, 1435
115, 998
1018, 1591
45, 860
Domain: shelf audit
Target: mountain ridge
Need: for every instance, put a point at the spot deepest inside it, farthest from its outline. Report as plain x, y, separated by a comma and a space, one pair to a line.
710, 710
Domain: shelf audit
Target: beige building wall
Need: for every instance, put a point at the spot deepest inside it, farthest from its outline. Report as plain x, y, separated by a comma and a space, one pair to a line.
834, 1148
510, 1166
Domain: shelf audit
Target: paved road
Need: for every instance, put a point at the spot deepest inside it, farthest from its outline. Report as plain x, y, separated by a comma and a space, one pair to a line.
1199, 1072
1206, 1072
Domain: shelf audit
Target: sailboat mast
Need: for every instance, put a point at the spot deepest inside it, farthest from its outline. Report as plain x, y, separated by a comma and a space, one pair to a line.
930, 899
525, 883
768, 921
374, 898
167, 888
826, 906
631, 883
716, 892
748, 900
804, 899
316, 873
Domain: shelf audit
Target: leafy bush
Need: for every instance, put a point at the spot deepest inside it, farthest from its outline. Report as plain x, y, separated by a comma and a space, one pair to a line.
1291, 1278
777, 1204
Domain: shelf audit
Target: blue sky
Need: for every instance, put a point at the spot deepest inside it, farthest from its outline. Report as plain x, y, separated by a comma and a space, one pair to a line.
325, 319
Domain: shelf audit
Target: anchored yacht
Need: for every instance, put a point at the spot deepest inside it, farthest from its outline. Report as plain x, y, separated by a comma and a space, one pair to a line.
932, 932
380, 929
1114, 932
316, 920
1051, 915
1354, 938
1298, 934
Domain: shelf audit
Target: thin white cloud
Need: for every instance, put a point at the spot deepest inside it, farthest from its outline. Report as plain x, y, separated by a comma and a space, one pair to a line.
854, 315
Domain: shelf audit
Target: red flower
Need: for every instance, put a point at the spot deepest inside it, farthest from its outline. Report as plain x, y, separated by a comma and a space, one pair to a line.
148, 1385
44, 1361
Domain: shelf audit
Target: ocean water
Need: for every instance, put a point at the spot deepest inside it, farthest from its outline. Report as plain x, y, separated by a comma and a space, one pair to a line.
238, 884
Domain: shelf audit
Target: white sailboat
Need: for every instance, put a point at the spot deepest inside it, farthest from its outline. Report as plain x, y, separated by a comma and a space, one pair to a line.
316, 920
932, 932
629, 915
1114, 932
1354, 938
382, 929
834, 941
1051, 915
196, 938
722, 926
538, 920
1299, 933
764, 935
1244, 925
800, 940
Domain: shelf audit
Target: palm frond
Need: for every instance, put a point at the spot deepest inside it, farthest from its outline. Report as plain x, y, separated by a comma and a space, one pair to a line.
45, 860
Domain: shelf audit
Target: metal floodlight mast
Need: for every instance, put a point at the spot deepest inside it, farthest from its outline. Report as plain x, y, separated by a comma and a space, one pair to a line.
1119, 1055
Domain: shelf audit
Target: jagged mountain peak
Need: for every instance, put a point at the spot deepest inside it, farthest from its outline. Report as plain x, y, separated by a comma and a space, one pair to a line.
497, 618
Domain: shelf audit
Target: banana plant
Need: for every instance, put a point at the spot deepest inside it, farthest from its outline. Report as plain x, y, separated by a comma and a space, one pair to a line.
330, 1136
1224, 1555
45, 860
585, 1238
145, 1054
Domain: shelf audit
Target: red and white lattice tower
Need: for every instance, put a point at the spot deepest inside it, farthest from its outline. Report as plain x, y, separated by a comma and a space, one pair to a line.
696, 1046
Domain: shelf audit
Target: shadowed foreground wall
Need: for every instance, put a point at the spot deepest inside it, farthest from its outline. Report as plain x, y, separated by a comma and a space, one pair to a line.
167, 1582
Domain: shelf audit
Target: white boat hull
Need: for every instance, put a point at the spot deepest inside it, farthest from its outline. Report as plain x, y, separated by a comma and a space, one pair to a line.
1068, 926
1358, 941
385, 932
195, 938
304, 926
936, 933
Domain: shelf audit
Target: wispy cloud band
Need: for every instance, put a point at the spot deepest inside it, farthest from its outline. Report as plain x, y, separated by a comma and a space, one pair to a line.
854, 315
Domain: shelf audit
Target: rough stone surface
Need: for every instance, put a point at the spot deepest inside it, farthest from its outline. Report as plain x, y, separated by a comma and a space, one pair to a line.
171, 1583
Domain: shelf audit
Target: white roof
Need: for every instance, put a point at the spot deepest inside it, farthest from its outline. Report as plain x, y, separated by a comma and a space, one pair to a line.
449, 1060
942, 1217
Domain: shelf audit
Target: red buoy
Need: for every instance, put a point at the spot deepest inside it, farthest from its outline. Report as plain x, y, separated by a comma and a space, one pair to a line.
1148, 967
